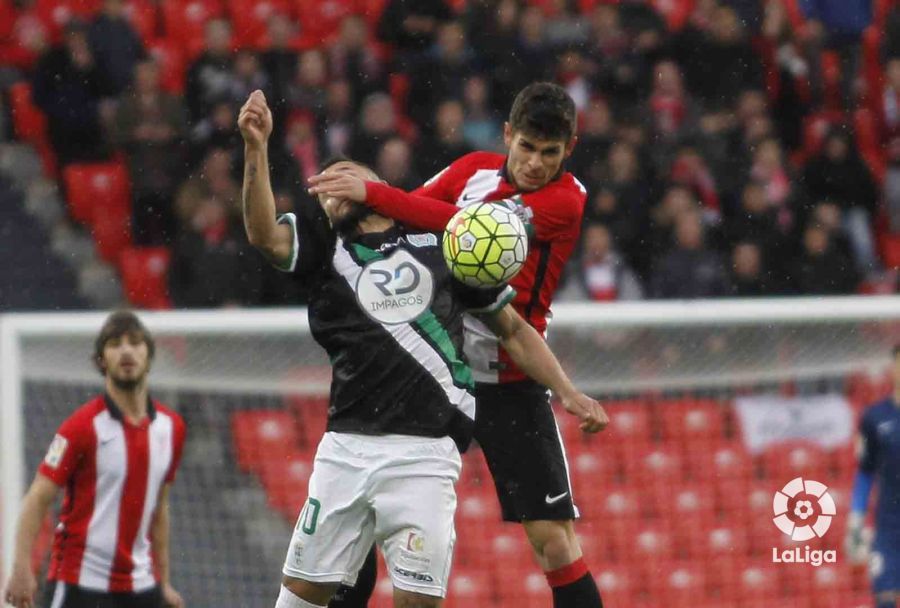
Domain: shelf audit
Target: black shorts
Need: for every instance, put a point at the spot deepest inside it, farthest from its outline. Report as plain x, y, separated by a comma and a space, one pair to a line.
515, 427
65, 595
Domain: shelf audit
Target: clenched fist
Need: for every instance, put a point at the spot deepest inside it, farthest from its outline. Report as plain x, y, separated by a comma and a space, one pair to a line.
255, 120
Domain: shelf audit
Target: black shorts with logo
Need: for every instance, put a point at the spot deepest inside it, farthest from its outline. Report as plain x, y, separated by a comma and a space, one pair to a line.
65, 595
515, 427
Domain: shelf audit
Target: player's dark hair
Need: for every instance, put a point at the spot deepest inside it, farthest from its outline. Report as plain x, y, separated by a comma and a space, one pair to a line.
544, 110
340, 158
118, 324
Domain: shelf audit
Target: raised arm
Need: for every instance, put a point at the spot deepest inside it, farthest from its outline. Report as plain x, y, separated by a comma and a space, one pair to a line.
530, 352
274, 240
415, 211
22, 584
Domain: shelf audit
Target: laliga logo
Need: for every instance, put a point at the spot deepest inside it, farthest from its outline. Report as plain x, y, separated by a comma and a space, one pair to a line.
803, 511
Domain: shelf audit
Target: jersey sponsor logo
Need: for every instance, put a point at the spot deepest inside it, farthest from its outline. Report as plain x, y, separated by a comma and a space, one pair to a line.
395, 290
422, 577
551, 500
884, 428
422, 240
56, 451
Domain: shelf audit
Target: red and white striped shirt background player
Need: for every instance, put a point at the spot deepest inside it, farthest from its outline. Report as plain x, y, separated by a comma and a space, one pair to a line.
112, 471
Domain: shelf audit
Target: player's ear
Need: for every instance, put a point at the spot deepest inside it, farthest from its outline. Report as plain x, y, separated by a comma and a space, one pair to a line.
507, 134
571, 145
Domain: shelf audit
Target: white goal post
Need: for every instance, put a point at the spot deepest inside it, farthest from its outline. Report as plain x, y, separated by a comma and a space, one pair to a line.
609, 349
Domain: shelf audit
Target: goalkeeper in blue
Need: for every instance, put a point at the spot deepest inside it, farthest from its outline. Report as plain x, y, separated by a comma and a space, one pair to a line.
879, 462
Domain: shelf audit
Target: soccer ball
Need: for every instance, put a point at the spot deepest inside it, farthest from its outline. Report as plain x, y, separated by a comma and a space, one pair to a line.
485, 245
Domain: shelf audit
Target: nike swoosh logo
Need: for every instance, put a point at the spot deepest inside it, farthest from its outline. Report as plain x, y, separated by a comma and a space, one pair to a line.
554, 499
468, 197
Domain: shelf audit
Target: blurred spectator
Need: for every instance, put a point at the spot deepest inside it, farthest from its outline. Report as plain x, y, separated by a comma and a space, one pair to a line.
821, 269
394, 165
150, 126
890, 42
616, 69
214, 179
890, 140
302, 145
338, 129
690, 170
594, 140
447, 144
838, 174
837, 25
565, 26
410, 26
307, 91
248, 77
770, 169
624, 174
215, 131
730, 56
377, 124
748, 276
279, 60
115, 44
571, 73
209, 79
690, 270
602, 275
756, 222
352, 58
526, 60
212, 264
481, 129
607, 208
672, 113
441, 75
23, 36
68, 86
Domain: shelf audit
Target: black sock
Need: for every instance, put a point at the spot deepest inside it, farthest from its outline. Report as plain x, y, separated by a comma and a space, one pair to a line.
582, 593
358, 595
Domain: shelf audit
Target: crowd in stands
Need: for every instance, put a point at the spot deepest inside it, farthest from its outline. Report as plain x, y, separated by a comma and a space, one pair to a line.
729, 147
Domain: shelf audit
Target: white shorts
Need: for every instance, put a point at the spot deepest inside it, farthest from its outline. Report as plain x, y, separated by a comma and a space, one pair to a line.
396, 490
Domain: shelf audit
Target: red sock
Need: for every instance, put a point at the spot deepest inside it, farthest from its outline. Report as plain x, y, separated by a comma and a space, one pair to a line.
567, 574
574, 587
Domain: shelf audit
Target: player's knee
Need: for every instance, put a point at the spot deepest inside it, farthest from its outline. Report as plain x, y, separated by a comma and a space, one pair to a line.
406, 599
554, 542
317, 594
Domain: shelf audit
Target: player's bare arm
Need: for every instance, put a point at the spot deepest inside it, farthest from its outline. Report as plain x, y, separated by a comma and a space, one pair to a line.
263, 231
530, 352
22, 583
160, 538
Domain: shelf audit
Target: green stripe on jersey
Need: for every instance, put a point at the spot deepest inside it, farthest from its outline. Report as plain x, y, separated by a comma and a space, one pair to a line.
364, 254
438, 336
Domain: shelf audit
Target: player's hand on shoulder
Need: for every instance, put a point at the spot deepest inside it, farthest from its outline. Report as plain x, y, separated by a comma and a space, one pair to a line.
338, 185
21, 588
171, 598
255, 120
592, 415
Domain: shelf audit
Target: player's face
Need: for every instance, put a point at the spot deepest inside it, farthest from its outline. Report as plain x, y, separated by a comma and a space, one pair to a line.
533, 162
126, 360
337, 209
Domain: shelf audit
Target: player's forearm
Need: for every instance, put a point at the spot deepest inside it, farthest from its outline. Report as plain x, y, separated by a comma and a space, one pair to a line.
258, 199
420, 212
160, 539
862, 487
34, 510
531, 353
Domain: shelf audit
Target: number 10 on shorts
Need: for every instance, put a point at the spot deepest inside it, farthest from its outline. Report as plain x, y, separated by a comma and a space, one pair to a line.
309, 516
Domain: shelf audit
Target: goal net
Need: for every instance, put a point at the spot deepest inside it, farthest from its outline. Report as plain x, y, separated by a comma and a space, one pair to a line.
715, 407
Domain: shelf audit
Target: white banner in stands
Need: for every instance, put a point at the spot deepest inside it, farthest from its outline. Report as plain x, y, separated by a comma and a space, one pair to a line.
823, 419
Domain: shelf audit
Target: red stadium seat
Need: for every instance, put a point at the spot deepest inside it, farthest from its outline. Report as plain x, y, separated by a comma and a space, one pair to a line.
145, 276
681, 586
251, 20
170, 58
593, 475
185, 22
630, 427
758, 581
475, 473
478, 508
141, 14
55, 14
691, 508
890, 250
828, 581
111, 231
286, 481
312, 419
261, 435
654, 465
725, 542
29, 122
321, 21
469, 587
616, 584
719, 461
91, 188
783, 462
691, 420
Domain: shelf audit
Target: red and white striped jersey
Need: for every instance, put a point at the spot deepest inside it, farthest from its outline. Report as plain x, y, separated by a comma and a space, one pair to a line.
554, 212
112, 472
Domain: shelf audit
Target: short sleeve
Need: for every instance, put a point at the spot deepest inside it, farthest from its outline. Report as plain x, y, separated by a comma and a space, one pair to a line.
179, 433
484, 301
555, 211
67, 449
868, 445
312, 236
